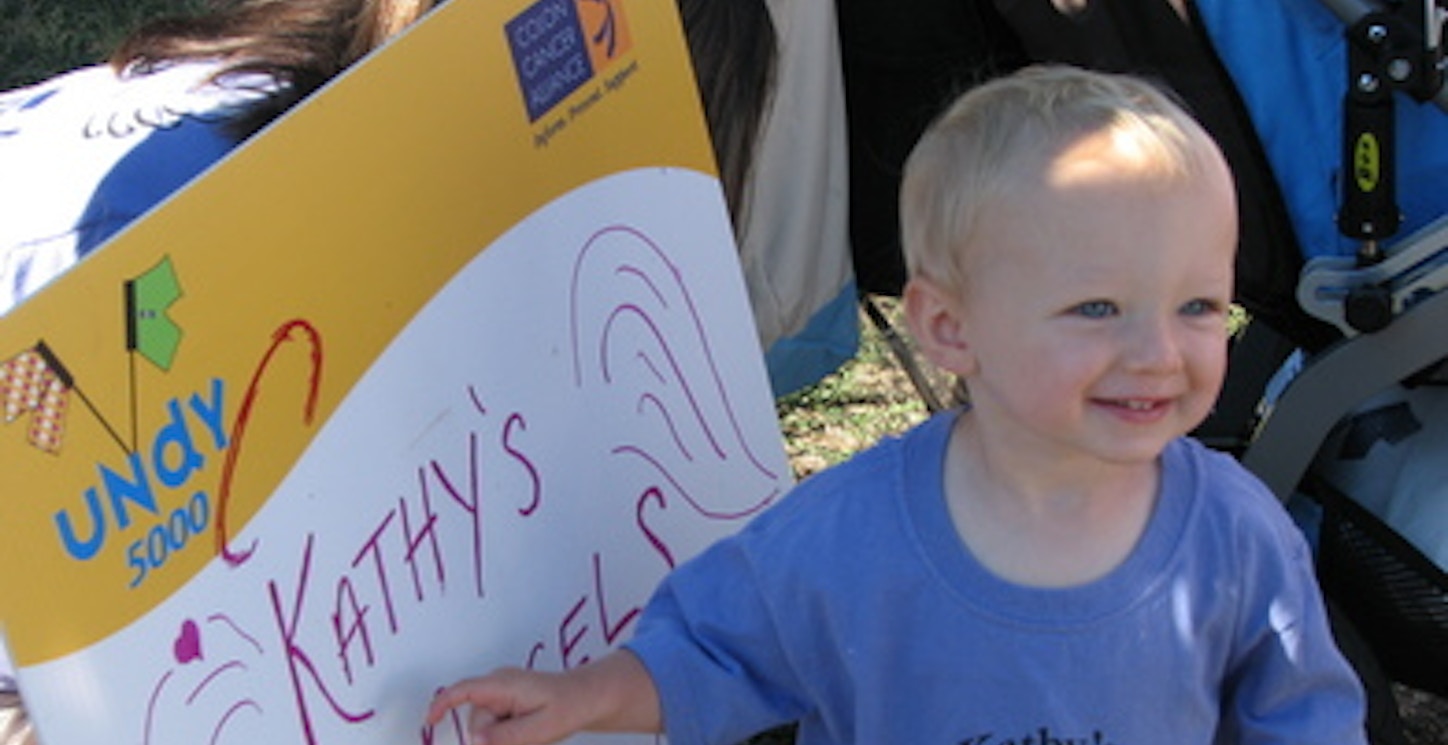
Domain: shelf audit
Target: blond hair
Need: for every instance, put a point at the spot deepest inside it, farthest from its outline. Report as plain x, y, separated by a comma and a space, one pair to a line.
1006, 131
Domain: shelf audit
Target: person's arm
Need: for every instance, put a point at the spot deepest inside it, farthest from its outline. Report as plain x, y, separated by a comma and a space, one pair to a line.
522, 707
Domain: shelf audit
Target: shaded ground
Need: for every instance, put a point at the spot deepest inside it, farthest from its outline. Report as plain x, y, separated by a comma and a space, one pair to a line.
1425, 717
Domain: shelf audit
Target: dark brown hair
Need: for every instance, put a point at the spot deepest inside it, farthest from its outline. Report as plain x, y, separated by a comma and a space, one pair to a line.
299, 43
734, 49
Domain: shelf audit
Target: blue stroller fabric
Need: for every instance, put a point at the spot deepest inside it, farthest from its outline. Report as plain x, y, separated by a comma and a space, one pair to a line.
1288, 59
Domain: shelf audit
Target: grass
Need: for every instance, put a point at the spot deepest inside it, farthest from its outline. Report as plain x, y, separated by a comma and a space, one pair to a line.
869, 397
40, 38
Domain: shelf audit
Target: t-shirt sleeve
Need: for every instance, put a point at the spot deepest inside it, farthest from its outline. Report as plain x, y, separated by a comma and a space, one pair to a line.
708, 638
1289, 683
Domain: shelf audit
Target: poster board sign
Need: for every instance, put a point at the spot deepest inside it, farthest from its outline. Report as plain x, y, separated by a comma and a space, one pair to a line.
442, 371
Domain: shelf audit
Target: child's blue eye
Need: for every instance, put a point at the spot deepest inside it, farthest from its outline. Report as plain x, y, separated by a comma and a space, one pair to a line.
1201, 307
1096, 309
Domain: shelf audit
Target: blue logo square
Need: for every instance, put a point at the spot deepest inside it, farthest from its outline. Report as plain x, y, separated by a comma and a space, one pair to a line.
549, 54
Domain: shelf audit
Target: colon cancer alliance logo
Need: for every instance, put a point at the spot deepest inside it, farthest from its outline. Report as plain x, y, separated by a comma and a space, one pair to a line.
558, 45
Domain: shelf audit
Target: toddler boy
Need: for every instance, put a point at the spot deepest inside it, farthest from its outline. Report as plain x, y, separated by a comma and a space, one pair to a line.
1055, 562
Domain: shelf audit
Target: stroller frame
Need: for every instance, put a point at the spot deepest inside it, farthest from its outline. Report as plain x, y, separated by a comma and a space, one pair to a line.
1391, 307
1341, 377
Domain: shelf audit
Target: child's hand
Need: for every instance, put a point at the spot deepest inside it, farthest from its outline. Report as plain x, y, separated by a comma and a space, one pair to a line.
510, 707
522, 707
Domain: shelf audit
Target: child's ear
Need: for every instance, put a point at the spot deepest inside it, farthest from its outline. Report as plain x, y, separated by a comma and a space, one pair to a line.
939, 326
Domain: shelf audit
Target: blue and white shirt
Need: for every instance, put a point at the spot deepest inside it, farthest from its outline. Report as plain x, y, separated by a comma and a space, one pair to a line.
85, 153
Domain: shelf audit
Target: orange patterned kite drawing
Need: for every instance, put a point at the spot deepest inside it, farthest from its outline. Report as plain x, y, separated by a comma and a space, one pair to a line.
31, 382
36, 382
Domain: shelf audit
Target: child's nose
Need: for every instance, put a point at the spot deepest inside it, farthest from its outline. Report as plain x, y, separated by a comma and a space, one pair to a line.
1154, 347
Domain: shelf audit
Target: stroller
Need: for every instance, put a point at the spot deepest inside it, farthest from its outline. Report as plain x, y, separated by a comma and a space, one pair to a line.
1334, 377
1338, 431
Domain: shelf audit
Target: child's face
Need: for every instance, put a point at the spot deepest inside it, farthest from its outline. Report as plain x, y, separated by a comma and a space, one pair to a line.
1095, 319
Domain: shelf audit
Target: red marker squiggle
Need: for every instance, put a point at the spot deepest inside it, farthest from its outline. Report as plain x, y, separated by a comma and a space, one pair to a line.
282, 335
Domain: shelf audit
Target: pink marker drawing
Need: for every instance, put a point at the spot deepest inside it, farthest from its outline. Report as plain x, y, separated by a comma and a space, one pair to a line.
198, 683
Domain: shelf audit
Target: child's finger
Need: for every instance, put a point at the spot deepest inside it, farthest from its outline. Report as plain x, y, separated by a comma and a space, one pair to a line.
476, 692
503, 692
479, 723
444, 701
521, 730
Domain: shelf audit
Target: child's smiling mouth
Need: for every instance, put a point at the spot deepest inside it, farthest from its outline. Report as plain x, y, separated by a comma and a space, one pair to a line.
1137, 408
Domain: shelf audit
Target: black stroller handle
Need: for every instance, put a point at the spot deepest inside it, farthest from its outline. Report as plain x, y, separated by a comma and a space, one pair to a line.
1421, 30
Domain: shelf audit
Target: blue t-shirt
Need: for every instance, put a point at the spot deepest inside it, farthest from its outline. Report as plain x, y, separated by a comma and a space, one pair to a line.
854, 608
84, 154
